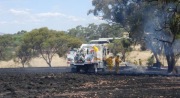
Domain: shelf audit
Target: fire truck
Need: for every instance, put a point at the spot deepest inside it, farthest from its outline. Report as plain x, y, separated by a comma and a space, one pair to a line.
89, 58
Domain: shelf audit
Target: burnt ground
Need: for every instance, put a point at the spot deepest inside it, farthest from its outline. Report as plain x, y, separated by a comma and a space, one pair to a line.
74, 85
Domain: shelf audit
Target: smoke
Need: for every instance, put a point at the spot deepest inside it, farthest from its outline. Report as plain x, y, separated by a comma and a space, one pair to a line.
157, 33
131, 68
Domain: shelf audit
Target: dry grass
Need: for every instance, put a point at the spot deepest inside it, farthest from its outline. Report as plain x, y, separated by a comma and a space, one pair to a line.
36, 62
144, 55
136, 55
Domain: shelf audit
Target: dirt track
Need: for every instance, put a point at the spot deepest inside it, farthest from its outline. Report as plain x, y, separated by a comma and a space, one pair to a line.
20, 85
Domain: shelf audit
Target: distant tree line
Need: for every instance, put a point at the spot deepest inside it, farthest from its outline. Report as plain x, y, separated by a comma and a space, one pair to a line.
93, 31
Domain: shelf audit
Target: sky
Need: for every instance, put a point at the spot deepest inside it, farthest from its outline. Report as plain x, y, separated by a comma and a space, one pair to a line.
61, 15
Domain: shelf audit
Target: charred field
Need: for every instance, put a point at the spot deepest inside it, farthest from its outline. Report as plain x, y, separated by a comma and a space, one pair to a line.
74, 85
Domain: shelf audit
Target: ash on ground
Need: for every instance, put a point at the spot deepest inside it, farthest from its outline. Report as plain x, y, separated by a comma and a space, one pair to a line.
80, 85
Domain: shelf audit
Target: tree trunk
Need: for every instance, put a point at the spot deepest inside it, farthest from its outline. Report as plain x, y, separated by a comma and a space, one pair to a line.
48, 60
123, 55
169, 57
23, 60
49, 64
171, 63
23, 65
156, 57
158, 63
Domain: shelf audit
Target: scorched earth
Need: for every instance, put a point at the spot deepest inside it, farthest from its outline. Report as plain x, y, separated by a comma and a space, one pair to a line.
74, 85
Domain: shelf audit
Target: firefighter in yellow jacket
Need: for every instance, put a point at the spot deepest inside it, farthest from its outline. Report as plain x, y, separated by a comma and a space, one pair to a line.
140, 62
95, 48
135, 62
109, 62
117, 62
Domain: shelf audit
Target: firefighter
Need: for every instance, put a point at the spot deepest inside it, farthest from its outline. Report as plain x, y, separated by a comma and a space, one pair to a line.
140, 62
117, 62
95, 48
135, 62
97, 52
109, 62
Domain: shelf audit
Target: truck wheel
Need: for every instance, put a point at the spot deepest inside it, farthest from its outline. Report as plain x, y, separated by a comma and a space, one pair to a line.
86, 69
73, 68
103, 69
77, 69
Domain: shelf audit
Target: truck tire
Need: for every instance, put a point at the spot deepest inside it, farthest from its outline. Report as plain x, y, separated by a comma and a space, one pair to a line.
78, 69
86, 69
73, 70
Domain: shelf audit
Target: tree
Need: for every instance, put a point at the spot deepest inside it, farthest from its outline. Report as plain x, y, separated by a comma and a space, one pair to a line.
93, 31
8, 43
85, 33
44, 43
5, 44
66, 42
17, 38
120, 46
24, 54
155, 21
21, 32
110, 30
79, 32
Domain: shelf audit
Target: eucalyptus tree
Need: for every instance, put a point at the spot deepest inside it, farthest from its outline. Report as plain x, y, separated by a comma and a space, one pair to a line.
85, 33
23, 54
120, 46
93, 31
5, 46
43, 43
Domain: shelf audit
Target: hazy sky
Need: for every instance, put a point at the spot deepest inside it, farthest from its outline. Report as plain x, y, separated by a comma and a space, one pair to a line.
17, 15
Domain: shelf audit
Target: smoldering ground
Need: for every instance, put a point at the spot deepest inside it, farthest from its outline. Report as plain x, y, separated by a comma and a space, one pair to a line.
73, 85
